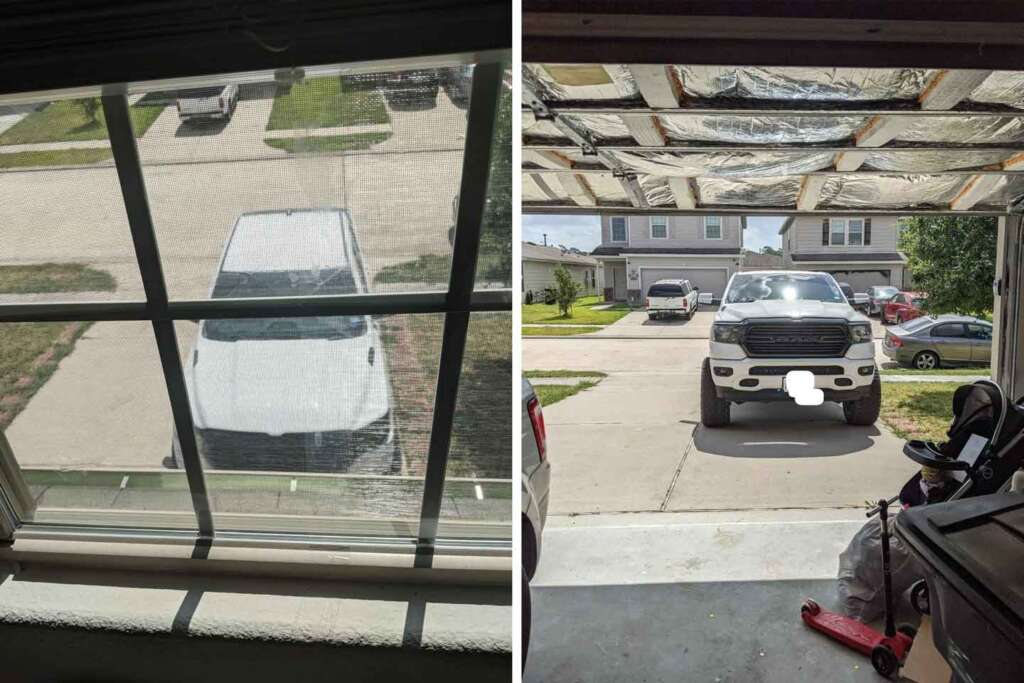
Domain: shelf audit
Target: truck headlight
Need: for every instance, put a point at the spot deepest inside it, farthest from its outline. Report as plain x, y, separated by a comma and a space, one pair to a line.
860, 332
725, 333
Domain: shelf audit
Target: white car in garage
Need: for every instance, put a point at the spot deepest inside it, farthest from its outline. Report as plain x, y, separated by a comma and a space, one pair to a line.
671, 297
300, 394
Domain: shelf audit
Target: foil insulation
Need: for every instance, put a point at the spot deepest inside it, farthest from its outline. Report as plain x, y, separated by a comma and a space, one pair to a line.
799, 83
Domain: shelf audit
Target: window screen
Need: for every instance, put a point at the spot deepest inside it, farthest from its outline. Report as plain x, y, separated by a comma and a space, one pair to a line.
279, 369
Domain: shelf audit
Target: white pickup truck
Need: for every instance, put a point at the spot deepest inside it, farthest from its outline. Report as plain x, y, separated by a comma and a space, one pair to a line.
671, 297
216, 103
773, 322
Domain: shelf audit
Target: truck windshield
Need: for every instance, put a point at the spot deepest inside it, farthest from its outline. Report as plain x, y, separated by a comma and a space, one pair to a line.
749, 287
265, 329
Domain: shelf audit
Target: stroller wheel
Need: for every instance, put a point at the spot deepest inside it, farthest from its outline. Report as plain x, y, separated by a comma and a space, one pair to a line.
919, 598
884, 661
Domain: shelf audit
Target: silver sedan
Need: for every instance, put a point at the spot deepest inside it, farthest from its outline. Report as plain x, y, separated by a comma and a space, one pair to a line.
930, 342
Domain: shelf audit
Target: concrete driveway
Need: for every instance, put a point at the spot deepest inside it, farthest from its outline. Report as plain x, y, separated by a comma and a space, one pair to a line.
633, 443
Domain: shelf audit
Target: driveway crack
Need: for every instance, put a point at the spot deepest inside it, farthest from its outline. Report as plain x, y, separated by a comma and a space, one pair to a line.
675, 477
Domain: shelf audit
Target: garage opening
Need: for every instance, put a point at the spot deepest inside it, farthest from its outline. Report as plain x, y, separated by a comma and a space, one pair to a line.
645, 117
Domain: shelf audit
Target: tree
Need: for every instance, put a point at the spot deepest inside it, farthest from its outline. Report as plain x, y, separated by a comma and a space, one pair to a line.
90, 107
771, 251
566, 290
952, 259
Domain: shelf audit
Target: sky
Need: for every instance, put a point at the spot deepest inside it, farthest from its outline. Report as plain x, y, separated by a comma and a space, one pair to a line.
584, 232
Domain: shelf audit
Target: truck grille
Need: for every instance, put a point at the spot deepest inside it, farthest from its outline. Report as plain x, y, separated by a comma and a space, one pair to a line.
777, 370
796, 340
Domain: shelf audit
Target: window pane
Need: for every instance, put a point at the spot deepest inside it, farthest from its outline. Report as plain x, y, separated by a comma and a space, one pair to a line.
384, 149
713, 227
618, 229
85, 409
478, 486
838, 233
659, 227
856, 233
63, 230
326, 419
494, 268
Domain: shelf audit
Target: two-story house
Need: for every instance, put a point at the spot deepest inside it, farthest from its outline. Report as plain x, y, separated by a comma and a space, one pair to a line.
860, 250
637, 250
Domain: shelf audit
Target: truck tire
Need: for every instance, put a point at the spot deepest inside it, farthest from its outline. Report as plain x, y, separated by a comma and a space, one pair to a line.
714, 411
865, 411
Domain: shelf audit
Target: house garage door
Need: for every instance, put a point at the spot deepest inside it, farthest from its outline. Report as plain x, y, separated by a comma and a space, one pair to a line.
706, 279
860, 280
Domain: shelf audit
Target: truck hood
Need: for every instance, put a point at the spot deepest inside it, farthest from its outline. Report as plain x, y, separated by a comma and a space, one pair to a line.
287, 386
735, 313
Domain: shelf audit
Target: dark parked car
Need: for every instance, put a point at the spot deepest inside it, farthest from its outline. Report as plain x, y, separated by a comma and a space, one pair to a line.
903, 307
930, 342
878, 296
412, 89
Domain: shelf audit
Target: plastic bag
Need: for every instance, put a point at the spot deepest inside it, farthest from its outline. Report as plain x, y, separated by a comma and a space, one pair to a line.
861, 586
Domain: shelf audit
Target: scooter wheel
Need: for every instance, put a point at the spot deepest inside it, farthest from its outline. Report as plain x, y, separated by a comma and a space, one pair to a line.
884, 661
810, 607
919, 598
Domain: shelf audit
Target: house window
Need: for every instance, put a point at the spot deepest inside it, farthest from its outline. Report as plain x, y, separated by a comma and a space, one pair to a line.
266, 371
618, 229
712, 227
659, 227
855, 232
837, 232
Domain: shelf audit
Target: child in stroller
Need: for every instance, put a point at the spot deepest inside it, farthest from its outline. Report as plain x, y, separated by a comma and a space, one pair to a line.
985, 448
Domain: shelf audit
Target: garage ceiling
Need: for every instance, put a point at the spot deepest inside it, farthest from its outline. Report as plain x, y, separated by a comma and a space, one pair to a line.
770, 139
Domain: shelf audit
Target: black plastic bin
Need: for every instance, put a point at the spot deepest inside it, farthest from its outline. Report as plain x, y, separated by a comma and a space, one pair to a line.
972, 552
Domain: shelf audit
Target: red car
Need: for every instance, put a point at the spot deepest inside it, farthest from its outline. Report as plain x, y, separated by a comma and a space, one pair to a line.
902, 307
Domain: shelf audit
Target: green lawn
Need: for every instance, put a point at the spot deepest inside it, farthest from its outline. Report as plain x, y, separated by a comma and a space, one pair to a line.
56, 157
533, 374
553, 393
429, 268
583, 313
918, 410
553, 331
325, 103
939, 371
54, 277
29, 355
328, 143
67, 120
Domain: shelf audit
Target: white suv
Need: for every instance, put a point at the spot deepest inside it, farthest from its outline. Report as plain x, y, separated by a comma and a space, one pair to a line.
772, 322
301, 393
671, 297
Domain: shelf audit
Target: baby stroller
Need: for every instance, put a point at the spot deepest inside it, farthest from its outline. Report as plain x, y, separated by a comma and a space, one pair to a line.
985, 448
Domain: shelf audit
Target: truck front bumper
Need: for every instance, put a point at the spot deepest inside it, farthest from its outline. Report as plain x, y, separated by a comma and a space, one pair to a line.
760, 379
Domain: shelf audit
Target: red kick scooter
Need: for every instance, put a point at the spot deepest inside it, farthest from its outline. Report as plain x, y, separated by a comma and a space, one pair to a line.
887, 650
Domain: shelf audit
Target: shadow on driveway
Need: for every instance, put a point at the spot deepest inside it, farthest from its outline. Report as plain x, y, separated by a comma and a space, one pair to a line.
199, 129
785, 430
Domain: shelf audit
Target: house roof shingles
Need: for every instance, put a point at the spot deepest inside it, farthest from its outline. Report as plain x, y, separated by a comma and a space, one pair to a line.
536, 252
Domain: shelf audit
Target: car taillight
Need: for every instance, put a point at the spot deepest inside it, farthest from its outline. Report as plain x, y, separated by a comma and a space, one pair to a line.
895, 341
537, 420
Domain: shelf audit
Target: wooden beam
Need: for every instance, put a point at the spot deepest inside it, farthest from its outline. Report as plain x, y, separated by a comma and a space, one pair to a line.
542, 186
849, 161
578, 190
547, 159
950, 87
810, 190
658, 84
682, 190
978, 187
945, 90
646, 130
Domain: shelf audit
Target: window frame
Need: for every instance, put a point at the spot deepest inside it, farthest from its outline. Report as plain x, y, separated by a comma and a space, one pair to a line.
849, 232
625, 228
721, 228
458, 303
650, 225
832, 232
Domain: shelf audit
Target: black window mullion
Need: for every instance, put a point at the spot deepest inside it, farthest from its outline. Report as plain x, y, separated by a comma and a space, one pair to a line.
476, 163
147, 253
